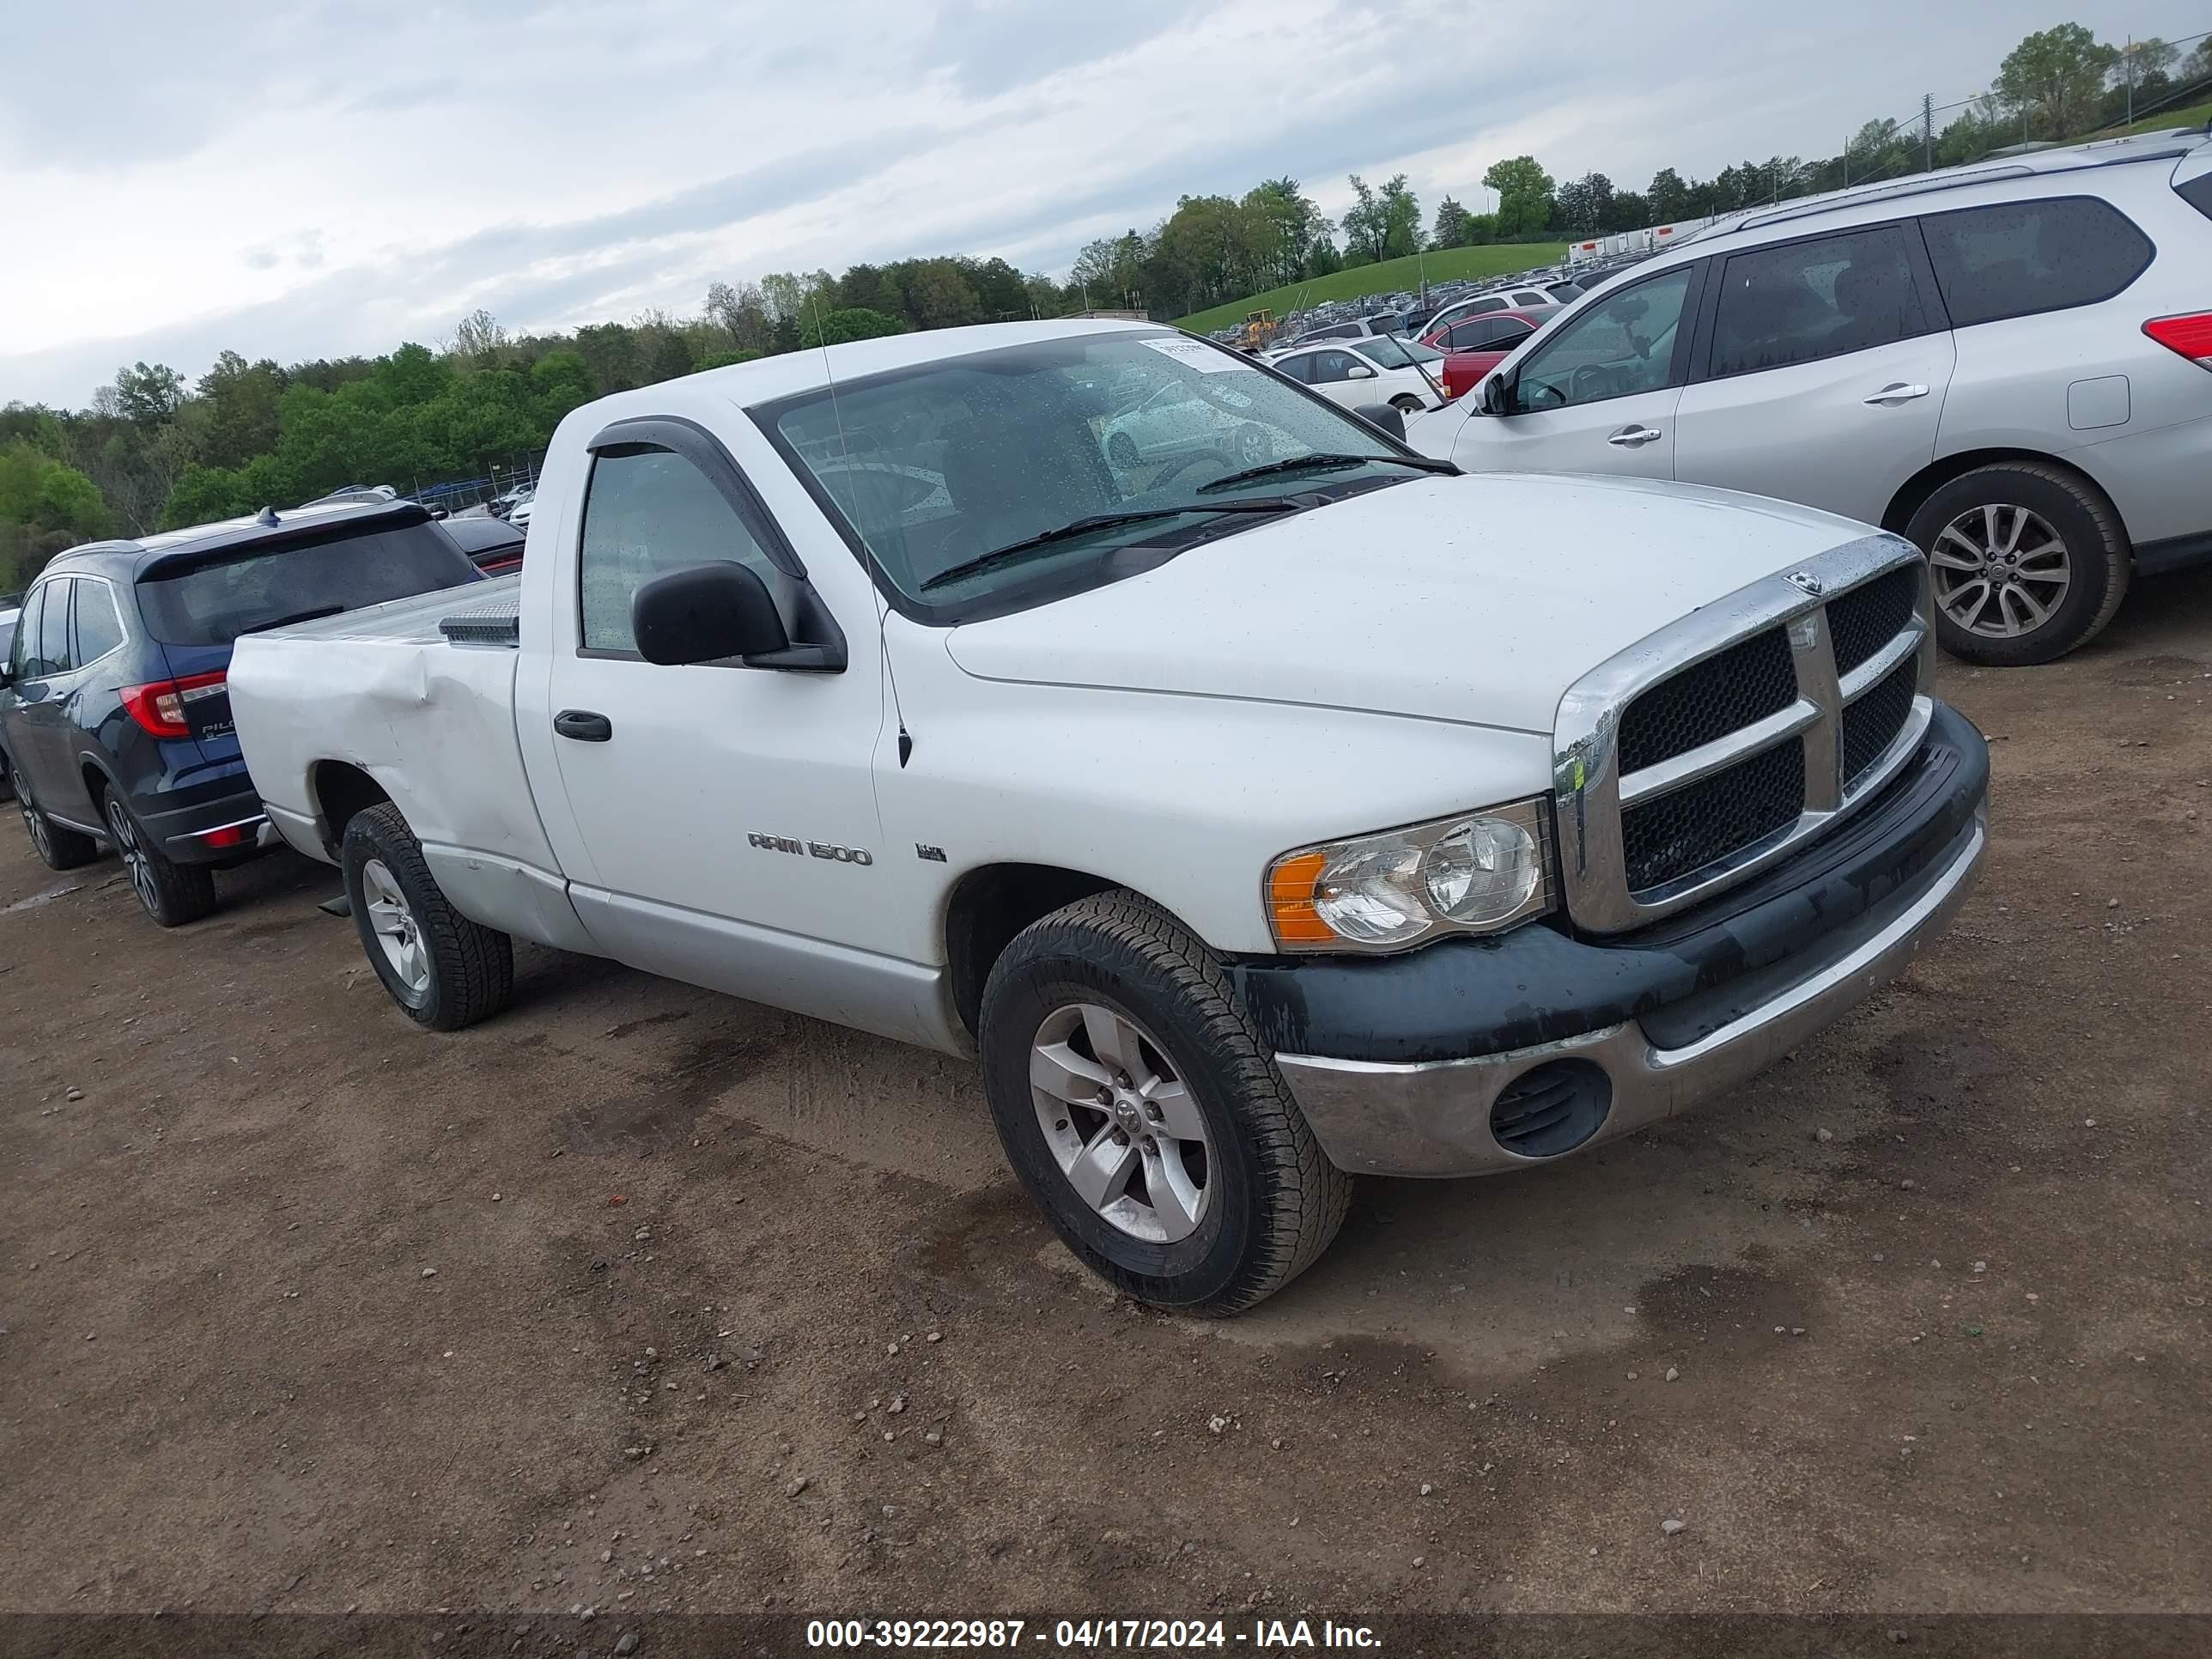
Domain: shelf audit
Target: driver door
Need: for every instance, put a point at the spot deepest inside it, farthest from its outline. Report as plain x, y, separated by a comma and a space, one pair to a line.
1599, 395
1331, 373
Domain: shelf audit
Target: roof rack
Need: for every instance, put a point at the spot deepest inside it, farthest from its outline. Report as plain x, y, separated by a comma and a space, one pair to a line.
1952, 179
1926, 182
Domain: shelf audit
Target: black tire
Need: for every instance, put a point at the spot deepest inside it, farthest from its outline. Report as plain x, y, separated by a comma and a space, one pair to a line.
2099, 560
172, 893
58, 848
470, 967
1273, 1201
1406, 403
1121, 450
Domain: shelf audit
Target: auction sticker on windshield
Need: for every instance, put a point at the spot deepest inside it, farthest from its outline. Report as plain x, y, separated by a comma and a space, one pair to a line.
1203, 358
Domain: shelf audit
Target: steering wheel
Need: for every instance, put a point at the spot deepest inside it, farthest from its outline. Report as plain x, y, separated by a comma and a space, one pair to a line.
1177, 467
1590, 382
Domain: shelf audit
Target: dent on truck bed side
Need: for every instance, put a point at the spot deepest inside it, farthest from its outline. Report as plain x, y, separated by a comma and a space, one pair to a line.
433, 724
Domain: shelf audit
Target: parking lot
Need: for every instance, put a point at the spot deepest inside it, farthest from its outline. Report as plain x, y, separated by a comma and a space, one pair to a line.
638, 1297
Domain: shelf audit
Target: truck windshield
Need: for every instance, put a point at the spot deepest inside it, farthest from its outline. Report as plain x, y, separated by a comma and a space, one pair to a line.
933, 467
213, 602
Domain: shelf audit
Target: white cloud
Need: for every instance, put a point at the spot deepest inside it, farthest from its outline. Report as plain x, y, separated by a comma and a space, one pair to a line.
294, 182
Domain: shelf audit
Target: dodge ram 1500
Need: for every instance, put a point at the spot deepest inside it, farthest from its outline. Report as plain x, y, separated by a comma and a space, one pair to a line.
1274, 808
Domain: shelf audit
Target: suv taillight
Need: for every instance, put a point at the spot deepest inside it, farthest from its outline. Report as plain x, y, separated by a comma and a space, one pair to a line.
2191, 336
159, 708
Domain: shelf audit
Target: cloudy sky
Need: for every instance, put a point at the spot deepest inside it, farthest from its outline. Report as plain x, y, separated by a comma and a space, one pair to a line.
309, 180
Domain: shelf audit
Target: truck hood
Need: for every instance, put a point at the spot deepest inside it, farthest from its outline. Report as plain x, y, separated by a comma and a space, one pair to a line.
1478, 599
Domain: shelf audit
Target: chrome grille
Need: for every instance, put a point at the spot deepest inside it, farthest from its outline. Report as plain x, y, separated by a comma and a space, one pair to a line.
1867, 618
1871, 724
1708, 700
1676, 834
1710, 749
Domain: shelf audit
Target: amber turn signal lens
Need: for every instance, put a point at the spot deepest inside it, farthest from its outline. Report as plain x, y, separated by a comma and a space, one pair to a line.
1290, 901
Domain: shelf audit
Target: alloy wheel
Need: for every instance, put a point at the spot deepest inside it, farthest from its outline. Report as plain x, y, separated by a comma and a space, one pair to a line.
124, 834
34, 822
392, 919
1999, 571
1119, 1123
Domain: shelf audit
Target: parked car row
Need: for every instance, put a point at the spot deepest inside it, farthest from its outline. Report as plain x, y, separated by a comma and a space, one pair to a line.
1406, 315
2006, 363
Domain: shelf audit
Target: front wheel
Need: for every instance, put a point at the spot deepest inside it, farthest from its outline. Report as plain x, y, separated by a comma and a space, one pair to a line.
2026, 563
1143, 1115
173, 894
443, 970
1408, 404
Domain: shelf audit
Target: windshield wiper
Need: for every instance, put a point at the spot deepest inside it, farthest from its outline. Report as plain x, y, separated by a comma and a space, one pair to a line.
296, 617
1014, 552
1324, 464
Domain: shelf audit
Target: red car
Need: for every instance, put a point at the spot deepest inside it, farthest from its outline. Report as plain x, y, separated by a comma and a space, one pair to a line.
1475, 345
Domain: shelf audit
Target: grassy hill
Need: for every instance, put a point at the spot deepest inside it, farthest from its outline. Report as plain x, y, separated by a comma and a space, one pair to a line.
2195, 116
1391, 276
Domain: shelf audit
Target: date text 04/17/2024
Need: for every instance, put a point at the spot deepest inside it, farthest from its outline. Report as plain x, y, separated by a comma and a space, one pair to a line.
1263, 1636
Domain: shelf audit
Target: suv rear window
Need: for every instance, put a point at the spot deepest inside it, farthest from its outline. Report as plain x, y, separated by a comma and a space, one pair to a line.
2197, 192
214, 602
2022, 257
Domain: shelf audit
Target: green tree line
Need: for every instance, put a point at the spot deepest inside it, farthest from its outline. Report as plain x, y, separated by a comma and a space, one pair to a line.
154, 451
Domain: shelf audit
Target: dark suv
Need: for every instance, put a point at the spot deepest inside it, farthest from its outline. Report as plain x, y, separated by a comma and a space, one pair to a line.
114, 716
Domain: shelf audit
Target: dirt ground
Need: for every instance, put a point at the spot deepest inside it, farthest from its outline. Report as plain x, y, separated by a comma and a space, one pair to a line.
638, 1297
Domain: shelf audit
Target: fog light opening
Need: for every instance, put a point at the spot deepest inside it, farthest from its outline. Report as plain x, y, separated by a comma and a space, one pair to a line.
1552, 1108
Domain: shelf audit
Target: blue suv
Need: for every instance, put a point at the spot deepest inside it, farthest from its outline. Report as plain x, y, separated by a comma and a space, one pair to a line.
114, 714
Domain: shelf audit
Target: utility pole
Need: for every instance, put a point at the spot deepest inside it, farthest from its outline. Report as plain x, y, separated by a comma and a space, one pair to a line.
1847, 163
1928, 131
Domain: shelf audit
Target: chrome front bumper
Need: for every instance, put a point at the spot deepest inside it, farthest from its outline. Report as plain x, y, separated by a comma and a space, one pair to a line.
1432, 1118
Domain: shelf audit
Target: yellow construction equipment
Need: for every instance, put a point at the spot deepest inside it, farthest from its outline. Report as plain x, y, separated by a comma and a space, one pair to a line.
1259, 331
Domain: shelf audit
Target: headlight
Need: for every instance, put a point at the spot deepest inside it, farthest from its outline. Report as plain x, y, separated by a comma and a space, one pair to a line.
1471, 873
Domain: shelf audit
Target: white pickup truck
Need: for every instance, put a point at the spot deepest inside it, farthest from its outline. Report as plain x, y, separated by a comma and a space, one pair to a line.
1270, 810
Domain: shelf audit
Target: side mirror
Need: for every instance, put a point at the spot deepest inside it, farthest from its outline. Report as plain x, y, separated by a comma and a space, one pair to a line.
706, 613
1389, 416
1360, 372
1497, 396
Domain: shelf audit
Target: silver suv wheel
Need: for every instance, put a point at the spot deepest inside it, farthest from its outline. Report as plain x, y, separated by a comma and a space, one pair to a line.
1999, 571
1119, 1122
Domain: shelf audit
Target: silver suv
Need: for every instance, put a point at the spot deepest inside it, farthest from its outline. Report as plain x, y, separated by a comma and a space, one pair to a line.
2011, 363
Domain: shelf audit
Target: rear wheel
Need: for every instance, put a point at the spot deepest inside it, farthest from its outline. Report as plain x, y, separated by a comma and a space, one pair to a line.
443, 970
1406, 403
1146, 1116
2028, 562
58, 848
1121, 450
172, 893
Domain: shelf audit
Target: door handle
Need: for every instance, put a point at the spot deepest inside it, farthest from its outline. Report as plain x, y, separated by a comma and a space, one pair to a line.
1631, 437
583, 726
1897, 392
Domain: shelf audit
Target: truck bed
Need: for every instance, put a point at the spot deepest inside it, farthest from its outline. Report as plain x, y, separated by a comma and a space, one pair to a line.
391, 692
